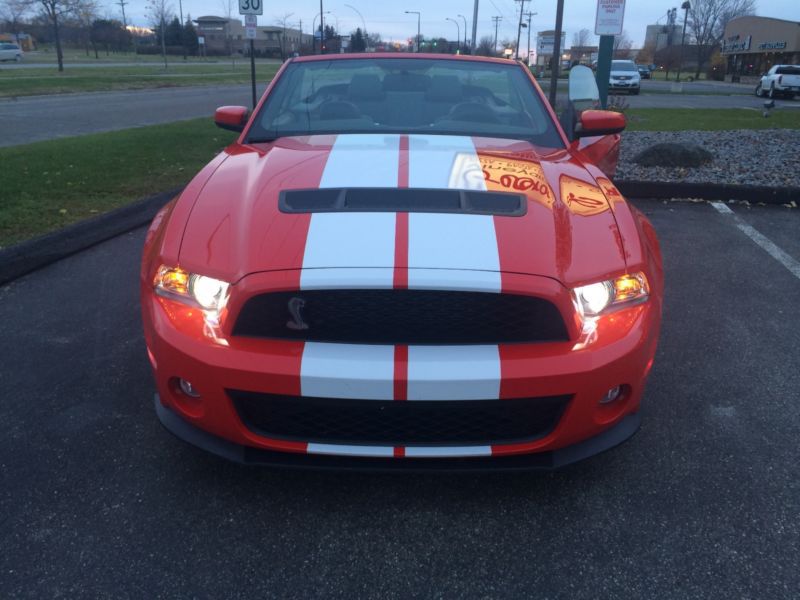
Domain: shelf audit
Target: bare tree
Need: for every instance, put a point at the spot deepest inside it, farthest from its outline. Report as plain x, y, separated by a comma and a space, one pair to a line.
227, 7
160, 13
707, 21
582, 38
622, 45
13, 12
53, 11
485, 46
283, 23
85, 13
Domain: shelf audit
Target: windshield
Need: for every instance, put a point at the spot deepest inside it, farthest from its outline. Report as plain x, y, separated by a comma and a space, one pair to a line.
434, 96
622, 65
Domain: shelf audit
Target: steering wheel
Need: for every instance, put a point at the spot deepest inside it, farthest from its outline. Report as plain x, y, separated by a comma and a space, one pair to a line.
472, 112
339, 109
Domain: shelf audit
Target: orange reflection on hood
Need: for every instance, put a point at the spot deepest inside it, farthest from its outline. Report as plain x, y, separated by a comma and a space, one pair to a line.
610, 190
512, 175
582, 198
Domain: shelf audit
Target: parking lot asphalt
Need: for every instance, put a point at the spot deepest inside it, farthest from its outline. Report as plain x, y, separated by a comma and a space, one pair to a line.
96, 499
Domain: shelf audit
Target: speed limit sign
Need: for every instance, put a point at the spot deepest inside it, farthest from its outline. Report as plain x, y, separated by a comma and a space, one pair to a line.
251, 7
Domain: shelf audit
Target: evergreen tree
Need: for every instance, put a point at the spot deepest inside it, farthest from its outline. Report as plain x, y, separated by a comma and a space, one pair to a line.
357, 41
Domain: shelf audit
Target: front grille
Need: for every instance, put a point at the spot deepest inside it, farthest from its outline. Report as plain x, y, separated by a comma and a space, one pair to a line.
415, 317
398, 423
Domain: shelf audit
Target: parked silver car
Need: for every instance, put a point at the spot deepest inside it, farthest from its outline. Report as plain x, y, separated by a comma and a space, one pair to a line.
624, 76
9, 51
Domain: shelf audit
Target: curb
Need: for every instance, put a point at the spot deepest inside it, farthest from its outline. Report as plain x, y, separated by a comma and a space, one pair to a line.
27, 256
22, 258
663, 190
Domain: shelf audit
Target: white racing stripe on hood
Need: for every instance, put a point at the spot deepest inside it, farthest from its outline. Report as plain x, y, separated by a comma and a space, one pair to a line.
354, 241
449, 241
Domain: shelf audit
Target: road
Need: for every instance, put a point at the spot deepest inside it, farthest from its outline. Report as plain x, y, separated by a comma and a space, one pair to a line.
97, 500
36, 118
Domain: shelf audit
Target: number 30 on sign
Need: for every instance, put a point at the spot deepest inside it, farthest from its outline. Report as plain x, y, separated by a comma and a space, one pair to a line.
251, 7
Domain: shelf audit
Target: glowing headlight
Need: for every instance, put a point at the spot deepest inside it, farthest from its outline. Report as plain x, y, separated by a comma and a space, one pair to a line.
208, 293
604, 296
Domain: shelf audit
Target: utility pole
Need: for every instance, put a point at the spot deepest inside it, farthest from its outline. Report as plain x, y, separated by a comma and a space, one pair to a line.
529, 14
556, 53
519, 26
474, 45
685, 6
122, 4
496, 22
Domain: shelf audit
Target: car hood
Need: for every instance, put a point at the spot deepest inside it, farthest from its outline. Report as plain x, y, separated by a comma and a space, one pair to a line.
236, 226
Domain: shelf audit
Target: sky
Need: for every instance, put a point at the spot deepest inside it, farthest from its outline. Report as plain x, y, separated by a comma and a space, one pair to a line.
389, 19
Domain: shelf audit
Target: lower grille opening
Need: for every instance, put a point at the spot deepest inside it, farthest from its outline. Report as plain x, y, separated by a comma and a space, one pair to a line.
399, 423
401, 317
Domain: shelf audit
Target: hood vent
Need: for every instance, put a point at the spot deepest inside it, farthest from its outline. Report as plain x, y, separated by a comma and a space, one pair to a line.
472, 202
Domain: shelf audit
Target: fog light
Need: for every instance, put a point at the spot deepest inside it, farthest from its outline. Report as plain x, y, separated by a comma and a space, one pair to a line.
188, 389
610, 396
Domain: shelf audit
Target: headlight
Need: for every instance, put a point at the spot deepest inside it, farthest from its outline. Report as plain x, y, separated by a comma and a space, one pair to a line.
605, 296
206, 292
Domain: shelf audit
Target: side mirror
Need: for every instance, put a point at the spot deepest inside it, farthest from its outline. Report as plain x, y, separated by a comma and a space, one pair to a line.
599, 122
582, 85
232, 118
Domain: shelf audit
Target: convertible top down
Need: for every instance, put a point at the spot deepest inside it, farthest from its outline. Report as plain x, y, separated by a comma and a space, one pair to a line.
404, 261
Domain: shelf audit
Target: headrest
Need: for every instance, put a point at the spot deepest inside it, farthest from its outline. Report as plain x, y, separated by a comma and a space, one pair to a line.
365, 87
445, 88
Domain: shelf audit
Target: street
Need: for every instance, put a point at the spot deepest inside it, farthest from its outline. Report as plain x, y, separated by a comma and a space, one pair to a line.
37, 118
98, 500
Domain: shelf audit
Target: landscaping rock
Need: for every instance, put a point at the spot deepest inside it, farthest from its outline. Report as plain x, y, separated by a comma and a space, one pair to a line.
674, 155
741, 157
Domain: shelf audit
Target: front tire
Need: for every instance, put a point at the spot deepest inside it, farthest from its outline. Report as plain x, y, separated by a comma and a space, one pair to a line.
635, 92
758, 91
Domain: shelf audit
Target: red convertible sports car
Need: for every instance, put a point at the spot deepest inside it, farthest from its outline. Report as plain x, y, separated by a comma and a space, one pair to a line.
404, 261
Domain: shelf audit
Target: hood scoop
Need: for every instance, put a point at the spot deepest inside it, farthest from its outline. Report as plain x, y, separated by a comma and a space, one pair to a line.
470, 202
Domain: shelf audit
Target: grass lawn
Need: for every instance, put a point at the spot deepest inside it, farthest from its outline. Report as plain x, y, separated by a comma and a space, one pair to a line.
26, 82
47, 185
678, 119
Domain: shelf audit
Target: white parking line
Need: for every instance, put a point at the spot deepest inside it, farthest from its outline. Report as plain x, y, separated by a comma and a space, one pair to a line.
765, 243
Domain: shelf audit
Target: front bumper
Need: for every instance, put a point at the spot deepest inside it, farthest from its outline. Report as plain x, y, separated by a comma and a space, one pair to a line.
540, 461
620, 352
623, 85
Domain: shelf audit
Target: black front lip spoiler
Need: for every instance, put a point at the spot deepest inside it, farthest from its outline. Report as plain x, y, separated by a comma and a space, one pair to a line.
538, 461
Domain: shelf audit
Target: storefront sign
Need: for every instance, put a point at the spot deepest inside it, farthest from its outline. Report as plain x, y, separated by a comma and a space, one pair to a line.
736, 44
772, 46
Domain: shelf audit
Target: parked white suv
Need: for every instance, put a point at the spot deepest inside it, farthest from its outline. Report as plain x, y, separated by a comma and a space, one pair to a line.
10, 51
783, 80
624, 76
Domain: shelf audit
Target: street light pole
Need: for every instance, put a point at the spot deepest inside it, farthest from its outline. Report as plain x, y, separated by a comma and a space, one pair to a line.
321, 29
466, 45
363, 24
473, 44
458, 32
415, 12
685, 6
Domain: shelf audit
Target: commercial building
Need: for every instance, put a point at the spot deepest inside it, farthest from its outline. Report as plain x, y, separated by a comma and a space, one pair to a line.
751, 45
221, 35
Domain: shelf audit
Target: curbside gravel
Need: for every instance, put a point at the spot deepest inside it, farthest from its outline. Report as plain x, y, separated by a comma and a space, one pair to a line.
27, 256
22, 258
